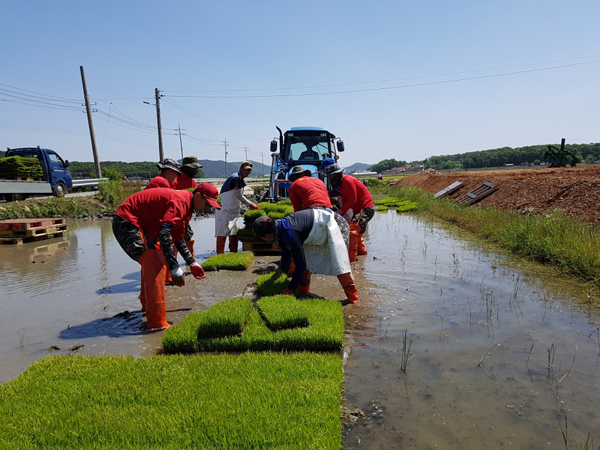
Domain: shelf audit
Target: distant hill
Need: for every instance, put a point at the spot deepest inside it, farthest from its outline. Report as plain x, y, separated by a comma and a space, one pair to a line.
357, 167
210, 169
216, 169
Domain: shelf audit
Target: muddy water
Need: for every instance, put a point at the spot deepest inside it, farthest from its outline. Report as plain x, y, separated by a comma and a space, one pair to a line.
498, 356
79, 294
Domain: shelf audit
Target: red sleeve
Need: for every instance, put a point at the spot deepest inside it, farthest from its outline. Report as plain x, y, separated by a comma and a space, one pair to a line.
295, 197
178, 214
349, 195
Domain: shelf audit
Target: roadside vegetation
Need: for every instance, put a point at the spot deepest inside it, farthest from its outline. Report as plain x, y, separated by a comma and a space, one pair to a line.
567, 243
110, 195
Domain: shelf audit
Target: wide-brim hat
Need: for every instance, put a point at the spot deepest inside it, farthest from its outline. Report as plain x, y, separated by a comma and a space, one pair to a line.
210, 193
299, 171
246, 165
333, 168
191, 162
169, 163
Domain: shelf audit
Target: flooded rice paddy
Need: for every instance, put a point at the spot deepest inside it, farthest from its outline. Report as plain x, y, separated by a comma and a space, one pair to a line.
449, 347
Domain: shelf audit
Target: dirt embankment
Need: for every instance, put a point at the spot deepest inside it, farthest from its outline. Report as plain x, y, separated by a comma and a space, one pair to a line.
573, 190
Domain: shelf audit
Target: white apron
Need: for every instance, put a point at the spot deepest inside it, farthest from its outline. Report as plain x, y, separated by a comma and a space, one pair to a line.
324, 249
226, 217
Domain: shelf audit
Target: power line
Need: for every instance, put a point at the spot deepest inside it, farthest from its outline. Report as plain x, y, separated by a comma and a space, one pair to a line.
386, 88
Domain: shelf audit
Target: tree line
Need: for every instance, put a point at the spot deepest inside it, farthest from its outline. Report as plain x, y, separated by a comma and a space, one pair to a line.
520, 156
143, 169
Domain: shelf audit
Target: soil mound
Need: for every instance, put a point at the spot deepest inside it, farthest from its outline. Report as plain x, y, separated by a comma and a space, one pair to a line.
573, 190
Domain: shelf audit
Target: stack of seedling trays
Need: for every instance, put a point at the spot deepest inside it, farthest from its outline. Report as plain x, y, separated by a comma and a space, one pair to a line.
17, 231
274, 211
19, 168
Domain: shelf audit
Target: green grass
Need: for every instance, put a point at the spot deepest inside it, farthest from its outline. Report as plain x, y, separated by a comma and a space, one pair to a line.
321, 331
209, 401
229, 261
272, 283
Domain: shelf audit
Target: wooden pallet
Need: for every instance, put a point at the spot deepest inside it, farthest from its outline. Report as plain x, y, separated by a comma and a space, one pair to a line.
449, 190
28, 224
11, 241
478, 194
261, 247
32, 229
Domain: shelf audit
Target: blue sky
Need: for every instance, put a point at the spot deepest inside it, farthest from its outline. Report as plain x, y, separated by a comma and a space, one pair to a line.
394, 79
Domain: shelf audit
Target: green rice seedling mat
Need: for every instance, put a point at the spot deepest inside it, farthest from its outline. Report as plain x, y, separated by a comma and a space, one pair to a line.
205, 401
296, 325
398, 204
229, 261
272, 283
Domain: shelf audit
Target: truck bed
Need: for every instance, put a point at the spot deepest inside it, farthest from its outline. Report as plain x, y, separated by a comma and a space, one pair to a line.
25, 187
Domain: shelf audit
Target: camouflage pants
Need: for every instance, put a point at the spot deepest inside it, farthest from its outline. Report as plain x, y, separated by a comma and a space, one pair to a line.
129, 238
344, 228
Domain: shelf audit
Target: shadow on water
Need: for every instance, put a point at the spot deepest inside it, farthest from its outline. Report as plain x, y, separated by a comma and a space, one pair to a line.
125, 323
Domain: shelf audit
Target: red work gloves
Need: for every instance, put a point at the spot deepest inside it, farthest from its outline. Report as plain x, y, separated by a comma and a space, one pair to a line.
197, 271
254, 206
287, 291
177, 275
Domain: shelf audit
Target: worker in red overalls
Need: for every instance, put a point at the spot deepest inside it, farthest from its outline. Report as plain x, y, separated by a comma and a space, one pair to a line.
357, 205
185, 180
155, 216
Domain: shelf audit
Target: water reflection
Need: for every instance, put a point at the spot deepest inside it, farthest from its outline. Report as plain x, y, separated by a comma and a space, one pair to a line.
497, 357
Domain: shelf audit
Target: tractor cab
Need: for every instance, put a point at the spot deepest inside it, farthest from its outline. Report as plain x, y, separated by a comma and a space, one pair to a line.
300, 146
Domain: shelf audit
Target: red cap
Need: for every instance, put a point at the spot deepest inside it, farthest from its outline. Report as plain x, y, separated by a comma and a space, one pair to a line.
210, 193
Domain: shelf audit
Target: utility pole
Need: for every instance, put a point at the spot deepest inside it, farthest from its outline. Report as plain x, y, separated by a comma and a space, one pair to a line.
262, 162
160, 144
246, 149
180, 143
225, 142
90, 124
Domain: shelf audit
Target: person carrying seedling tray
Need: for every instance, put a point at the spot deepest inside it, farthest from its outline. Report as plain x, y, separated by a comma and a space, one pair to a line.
155, 216
313, 239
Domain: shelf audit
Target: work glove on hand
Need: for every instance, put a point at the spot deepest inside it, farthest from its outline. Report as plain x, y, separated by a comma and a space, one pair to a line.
197, 271
287, 291
178, 277
254, 206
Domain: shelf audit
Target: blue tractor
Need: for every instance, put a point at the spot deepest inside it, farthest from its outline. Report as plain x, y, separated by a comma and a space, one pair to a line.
299, 146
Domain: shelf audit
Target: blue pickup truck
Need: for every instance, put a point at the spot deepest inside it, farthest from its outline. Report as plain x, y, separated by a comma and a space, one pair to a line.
56, 180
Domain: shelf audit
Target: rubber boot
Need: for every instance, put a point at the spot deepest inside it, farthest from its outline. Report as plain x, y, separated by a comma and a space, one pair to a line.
292, 267
142, 292
154, 270
304, 286
354, 239
221, 244
362, 250
347, 282
233, 244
